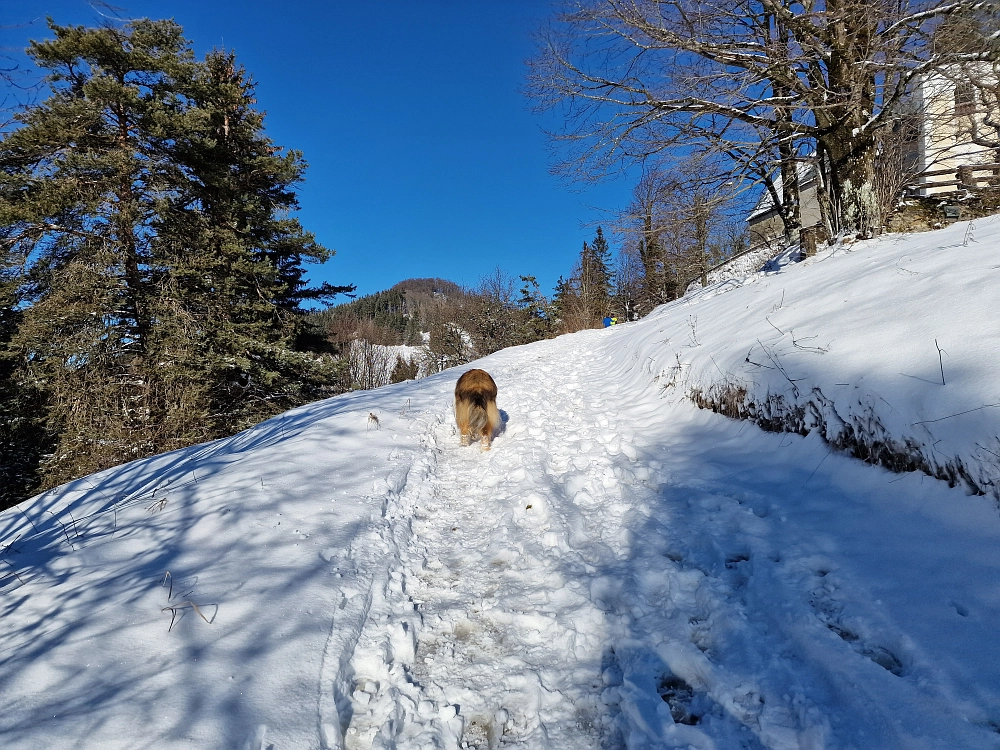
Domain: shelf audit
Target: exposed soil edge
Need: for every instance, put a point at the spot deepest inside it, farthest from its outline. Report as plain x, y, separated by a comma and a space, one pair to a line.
859, 435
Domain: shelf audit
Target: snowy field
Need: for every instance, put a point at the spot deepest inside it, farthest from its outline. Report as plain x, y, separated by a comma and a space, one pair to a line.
622, 570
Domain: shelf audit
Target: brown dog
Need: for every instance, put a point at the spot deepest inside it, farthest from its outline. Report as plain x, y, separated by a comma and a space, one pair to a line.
476, 407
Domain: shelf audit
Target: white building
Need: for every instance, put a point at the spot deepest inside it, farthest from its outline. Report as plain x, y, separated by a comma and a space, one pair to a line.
947, 112
952, 113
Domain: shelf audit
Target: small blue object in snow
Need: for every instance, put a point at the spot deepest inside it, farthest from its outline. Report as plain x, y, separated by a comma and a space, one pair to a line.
607, 322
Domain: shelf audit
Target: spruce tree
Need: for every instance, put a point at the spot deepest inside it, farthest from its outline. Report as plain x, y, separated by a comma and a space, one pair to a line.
235, 255
562, 297
593, 279
536, 311
156, 270
83, 177
601, 254
23, 439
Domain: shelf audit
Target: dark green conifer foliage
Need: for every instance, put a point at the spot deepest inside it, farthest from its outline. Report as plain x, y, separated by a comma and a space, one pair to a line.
536, 310
404, 370
583, 300
22, 433
561, 299
156, 271
595, 277
236, 255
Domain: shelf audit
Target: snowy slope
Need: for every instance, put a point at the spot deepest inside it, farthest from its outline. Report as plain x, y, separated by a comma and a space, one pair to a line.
622, 570
848, 343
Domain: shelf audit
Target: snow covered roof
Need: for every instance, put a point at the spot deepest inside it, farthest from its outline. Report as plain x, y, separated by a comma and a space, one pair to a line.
765, 204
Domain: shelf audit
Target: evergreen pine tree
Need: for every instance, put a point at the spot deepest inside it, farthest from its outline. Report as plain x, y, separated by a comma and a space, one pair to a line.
235, 255
593, 280
561, 299
536, 310
601, 260
22, 435
83, 176
404, 370
156, 270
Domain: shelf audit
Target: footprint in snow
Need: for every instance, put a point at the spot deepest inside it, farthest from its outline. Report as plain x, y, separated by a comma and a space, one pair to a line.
829, 613
960, 609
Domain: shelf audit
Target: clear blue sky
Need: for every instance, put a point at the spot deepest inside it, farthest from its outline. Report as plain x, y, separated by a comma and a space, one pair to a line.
423, 157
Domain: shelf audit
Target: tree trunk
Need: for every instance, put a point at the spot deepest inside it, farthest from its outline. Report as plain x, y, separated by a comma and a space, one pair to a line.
848, 104
852, 194
791, 211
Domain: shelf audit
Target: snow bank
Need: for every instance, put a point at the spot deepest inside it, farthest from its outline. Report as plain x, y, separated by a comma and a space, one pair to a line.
887, 348
741, 266
371, 365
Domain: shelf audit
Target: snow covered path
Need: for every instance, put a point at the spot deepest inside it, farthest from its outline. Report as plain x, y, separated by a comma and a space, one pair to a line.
505, 629
621, 572
638, 575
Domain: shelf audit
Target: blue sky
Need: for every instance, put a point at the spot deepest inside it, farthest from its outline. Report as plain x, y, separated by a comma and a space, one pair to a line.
423, 157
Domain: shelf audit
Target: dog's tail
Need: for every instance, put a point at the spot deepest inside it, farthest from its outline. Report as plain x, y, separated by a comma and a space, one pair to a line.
479, 415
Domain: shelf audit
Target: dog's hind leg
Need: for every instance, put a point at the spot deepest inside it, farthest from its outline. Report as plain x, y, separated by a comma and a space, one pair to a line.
462, 419
492, 423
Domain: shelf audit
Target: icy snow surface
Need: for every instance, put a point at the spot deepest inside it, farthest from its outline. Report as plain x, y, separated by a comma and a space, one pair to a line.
622, 570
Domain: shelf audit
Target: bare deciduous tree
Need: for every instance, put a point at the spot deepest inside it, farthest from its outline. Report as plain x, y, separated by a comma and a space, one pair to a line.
370, 351
743, 78
492, 315
677, 226
628, 280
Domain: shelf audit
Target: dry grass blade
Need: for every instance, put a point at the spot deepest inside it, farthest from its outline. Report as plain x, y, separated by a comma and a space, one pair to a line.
175, 608
167, 578
4, 548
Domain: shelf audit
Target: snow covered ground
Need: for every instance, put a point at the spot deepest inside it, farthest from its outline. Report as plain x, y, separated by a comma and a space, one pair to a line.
622, 570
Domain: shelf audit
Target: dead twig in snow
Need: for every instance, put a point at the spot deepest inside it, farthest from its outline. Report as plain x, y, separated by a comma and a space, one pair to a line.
10, 546
969, 237
14, 572
65, 532
156, 505
803, 347
168, 580
29, 520
940, 360
693, 325
983, 447
817, 468
780, 304
967, 411
755, 364
779, 368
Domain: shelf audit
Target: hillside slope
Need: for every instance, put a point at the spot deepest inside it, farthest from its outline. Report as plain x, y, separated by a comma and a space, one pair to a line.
622, 570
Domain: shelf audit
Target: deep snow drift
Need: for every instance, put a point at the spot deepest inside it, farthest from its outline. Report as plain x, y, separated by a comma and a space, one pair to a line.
622, 570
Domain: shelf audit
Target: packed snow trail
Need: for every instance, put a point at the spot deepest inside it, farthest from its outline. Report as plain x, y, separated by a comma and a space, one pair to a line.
594, 581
